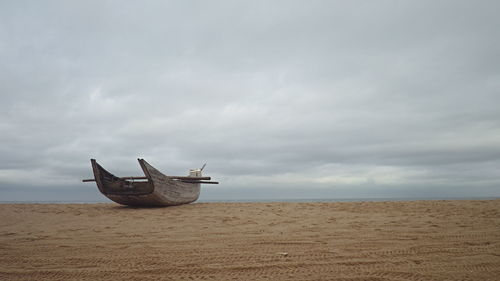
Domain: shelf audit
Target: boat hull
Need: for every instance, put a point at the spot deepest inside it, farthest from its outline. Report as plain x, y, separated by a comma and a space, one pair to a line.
157, 190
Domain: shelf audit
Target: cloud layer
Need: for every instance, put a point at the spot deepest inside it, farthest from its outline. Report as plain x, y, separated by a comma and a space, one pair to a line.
306, 99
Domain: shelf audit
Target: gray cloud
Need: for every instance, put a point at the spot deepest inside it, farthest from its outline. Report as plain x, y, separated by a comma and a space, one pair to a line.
383, 98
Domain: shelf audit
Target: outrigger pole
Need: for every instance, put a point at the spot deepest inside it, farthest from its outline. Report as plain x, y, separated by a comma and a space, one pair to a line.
183, 179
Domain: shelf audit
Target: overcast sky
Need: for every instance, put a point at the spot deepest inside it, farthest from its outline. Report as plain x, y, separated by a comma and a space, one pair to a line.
282, 99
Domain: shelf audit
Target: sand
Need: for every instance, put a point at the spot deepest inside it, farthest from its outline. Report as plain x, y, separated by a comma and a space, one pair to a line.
421, 240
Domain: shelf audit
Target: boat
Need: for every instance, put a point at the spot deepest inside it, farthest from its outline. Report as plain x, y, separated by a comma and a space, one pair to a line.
154, 189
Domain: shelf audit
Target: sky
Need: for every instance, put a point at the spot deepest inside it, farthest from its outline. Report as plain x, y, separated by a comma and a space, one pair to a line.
281, 99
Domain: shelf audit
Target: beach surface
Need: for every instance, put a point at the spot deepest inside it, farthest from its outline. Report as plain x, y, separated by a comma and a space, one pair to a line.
418, 240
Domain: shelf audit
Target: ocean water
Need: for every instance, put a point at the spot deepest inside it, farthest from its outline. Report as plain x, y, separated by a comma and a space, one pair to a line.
381, 199
295, 200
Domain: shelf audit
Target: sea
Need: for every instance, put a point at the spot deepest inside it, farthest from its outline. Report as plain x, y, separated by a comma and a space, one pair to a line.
295, 200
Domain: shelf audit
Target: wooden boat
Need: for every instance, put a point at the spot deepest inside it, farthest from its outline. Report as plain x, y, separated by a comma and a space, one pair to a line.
154, 189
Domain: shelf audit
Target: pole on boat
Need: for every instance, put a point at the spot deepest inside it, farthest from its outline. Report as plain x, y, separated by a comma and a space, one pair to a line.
122, 178
189, 178
170, 177
203, 182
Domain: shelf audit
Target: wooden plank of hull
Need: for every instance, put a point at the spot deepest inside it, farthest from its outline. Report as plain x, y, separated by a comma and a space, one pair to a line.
169, 191
158, 190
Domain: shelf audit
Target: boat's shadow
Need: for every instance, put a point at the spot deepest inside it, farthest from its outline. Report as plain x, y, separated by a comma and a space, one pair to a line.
126, 207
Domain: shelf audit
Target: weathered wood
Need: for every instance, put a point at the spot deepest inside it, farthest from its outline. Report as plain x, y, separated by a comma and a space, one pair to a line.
121, 178
157, 190
167, 191
145, 178
188, 178
207, 182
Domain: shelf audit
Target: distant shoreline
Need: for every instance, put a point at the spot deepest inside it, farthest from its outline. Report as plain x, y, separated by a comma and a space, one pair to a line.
284, 200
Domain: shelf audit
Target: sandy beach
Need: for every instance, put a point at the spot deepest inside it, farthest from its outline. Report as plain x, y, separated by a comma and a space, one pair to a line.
420, 240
